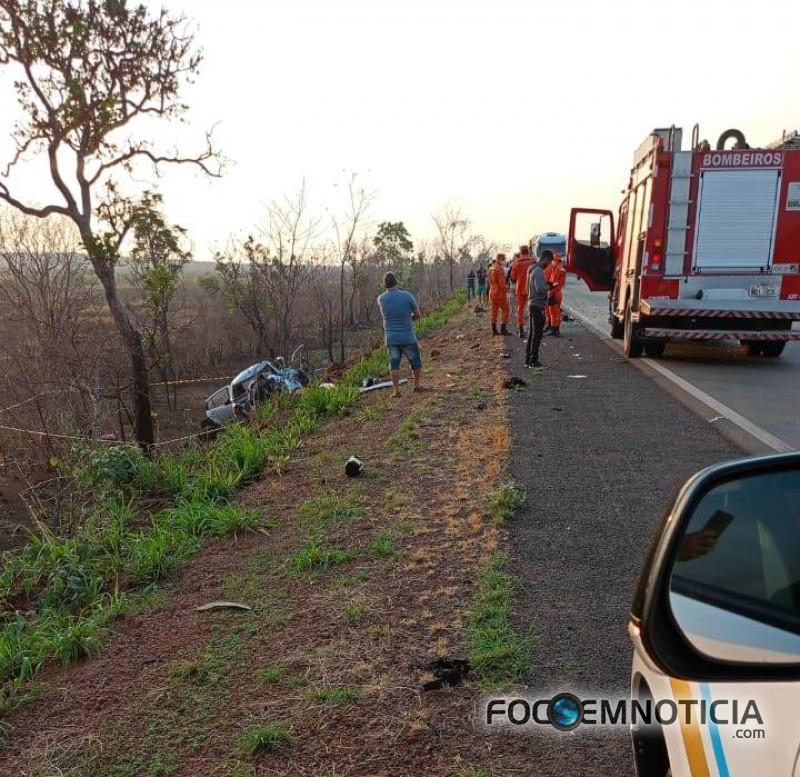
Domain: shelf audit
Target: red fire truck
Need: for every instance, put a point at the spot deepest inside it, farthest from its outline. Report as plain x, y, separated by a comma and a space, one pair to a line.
706, 245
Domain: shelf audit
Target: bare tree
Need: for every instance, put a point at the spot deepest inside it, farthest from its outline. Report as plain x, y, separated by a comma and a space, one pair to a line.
264, 278
454, 237
323, 285
241, 283
87, 71
345, 231
53, 332
285, 264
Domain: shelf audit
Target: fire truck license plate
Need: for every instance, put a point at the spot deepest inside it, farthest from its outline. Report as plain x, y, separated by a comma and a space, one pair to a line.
763, 291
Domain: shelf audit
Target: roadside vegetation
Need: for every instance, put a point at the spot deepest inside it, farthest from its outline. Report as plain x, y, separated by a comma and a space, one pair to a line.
498, 652
60, 595
355, 588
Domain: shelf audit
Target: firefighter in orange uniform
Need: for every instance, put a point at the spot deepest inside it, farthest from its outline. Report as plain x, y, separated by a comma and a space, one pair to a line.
556, 277
519, 275
498, 295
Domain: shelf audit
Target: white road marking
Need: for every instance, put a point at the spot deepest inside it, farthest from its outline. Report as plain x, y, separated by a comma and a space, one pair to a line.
762, 435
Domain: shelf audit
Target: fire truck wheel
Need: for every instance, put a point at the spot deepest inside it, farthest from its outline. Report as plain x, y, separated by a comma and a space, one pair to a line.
772, 350
632, 346
752, 347
654, 350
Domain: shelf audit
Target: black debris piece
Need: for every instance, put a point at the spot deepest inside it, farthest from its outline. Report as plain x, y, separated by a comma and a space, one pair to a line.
446, 671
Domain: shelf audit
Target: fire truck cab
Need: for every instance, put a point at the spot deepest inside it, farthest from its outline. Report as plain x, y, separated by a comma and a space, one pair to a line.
705, 245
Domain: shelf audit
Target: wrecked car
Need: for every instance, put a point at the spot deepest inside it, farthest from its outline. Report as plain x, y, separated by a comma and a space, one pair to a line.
256, 384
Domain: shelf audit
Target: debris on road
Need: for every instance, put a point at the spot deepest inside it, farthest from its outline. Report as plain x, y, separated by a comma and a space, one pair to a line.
354, 467
382, 384
445, 671
223, 606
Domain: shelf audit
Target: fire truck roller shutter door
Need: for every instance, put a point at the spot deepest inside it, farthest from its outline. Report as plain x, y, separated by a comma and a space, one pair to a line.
736, 219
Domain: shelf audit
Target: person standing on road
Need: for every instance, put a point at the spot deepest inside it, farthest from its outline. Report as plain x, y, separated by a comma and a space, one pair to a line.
556, 277
470, 284
519, 275
537, 296
482, 275
498, 295
399, 310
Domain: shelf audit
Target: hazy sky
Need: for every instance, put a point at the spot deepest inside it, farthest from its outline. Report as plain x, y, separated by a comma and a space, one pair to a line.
515, 110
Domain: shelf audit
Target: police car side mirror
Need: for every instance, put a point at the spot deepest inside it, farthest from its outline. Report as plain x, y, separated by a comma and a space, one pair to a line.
719, 595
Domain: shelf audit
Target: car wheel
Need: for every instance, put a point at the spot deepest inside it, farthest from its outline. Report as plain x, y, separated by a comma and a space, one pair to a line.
752, 347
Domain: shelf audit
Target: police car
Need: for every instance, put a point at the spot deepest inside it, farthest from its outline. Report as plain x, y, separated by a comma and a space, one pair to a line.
715, 626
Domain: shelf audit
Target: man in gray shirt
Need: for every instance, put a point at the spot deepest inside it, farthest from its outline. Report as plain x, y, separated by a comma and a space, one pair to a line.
537, 303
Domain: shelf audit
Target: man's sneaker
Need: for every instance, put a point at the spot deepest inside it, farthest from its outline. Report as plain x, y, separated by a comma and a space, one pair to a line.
504, 330
536, 365
527, 366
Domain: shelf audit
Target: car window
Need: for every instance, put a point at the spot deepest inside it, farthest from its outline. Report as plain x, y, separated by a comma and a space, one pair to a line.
218, 398
756, 555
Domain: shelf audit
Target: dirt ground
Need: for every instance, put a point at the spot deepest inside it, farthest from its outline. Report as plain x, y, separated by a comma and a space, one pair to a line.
328, 661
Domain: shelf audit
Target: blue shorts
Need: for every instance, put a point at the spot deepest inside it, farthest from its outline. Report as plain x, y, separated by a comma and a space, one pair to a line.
410, 351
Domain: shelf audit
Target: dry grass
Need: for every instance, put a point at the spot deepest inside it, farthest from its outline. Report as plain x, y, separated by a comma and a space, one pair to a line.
349, 634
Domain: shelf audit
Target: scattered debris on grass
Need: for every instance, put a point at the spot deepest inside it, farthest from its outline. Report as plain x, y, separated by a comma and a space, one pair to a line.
223, 606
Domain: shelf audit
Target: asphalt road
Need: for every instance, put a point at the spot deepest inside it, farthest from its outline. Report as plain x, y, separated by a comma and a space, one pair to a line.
600, 456
764, 391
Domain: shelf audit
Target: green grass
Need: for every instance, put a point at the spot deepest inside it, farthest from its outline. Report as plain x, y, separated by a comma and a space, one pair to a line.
383, 545
504, 500
342, 584
315, 555
299, 681
353, 613
261, 740
334, 695
373, 412
271, 674
74, 587
394, 499
216, 661
408, 438
498, 652
329, 507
